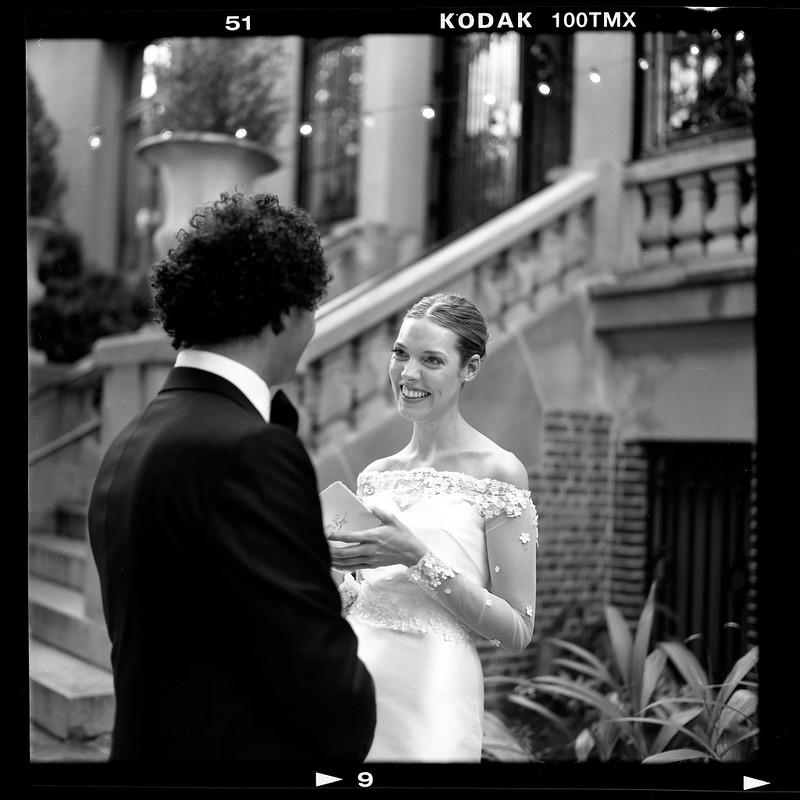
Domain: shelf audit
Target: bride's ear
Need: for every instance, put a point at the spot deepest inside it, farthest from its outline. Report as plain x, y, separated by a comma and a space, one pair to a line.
471, 368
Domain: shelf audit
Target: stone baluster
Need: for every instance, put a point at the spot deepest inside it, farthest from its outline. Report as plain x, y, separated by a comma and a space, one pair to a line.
629, 256
489, 295
722, 221
747, 213
305, 393
656, 229
372, 354
504, 279
688, 227
521, 266
549, 264
335, 397
577, 238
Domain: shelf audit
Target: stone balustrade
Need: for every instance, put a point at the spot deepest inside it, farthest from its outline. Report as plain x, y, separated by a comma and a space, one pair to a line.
60, 398
693, 211
63, 438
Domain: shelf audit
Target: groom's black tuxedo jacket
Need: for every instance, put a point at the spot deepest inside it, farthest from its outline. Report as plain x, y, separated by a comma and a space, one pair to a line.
226, 628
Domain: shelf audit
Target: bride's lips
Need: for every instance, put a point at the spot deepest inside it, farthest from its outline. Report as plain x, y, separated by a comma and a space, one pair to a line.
412, 395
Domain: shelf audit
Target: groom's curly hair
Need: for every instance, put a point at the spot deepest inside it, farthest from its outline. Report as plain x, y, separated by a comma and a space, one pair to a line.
243, 261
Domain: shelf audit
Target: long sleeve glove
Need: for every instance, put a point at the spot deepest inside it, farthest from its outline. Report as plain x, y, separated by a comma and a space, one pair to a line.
503, 613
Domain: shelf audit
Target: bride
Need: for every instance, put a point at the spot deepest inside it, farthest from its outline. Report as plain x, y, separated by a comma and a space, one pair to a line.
455, 557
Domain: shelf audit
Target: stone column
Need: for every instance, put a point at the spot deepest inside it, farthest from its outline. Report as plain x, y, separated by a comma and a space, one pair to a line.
602, 113
283, 180
395, 146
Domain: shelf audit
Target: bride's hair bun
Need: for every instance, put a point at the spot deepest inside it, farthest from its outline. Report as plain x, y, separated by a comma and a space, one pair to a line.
456, 313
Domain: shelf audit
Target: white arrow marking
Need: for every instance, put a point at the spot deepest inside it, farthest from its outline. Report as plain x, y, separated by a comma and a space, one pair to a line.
322, 779
752, 783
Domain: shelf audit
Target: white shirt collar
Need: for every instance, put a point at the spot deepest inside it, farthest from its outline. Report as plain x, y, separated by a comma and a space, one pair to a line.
242, 377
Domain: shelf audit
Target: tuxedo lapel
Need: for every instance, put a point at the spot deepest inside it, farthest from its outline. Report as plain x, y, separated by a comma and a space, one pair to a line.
282, 412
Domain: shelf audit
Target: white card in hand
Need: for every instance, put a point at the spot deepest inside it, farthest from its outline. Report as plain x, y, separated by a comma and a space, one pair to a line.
343, 511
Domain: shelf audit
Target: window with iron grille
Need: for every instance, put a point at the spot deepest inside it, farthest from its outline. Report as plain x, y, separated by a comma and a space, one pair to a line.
332, 119
694, 87
505, 101
700, 541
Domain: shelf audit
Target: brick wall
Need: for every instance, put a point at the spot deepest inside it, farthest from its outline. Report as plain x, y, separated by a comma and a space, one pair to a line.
571, 491
628, 586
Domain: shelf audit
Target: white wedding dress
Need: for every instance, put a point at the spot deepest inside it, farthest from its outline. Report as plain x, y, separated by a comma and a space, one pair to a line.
417, 626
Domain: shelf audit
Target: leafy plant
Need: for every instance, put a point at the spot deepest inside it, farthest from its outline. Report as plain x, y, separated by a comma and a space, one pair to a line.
45, 184
643, 701
717, 719
78, 310
216, 85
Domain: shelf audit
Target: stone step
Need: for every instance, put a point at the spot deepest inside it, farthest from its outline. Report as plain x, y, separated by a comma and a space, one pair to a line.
58, 558
69, 698
57, 617
70, 520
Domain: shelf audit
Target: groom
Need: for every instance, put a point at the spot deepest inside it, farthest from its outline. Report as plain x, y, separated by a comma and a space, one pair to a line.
204, 521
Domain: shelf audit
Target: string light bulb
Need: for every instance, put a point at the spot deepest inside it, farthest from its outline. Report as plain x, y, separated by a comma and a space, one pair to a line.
305, 129
367, 120
739, 36
95, 139
644, 64
489, 99
241, 133
428, 112
594, 75
694, 49
543, 88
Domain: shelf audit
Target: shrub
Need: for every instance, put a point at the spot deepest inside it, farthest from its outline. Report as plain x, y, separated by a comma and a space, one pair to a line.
77, 311
217, 85
45, 185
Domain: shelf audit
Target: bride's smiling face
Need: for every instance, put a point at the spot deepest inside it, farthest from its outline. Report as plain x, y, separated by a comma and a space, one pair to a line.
426, 371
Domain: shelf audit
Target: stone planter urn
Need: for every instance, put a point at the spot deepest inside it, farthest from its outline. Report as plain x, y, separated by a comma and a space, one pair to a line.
194, 169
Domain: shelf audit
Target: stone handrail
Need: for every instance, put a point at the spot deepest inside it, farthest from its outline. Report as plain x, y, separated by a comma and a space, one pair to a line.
78, 433
511, 266
60, 402
693, 210
64, 429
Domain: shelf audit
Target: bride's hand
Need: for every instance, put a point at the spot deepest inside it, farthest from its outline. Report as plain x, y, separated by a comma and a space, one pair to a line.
392, 542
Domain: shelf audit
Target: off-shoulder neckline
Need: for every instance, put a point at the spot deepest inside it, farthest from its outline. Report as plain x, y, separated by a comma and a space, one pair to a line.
482, 481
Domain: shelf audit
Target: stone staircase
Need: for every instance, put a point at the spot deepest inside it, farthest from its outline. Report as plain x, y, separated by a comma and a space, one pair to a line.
71, 687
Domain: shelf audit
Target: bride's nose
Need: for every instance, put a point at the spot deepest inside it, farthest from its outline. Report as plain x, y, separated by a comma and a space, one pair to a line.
410, 371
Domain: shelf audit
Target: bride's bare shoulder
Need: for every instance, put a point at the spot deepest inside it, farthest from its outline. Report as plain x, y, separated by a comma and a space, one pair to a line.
394, 461
502, 465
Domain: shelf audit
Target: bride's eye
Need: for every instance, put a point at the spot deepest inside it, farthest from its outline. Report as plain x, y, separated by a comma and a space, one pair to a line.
398, 353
